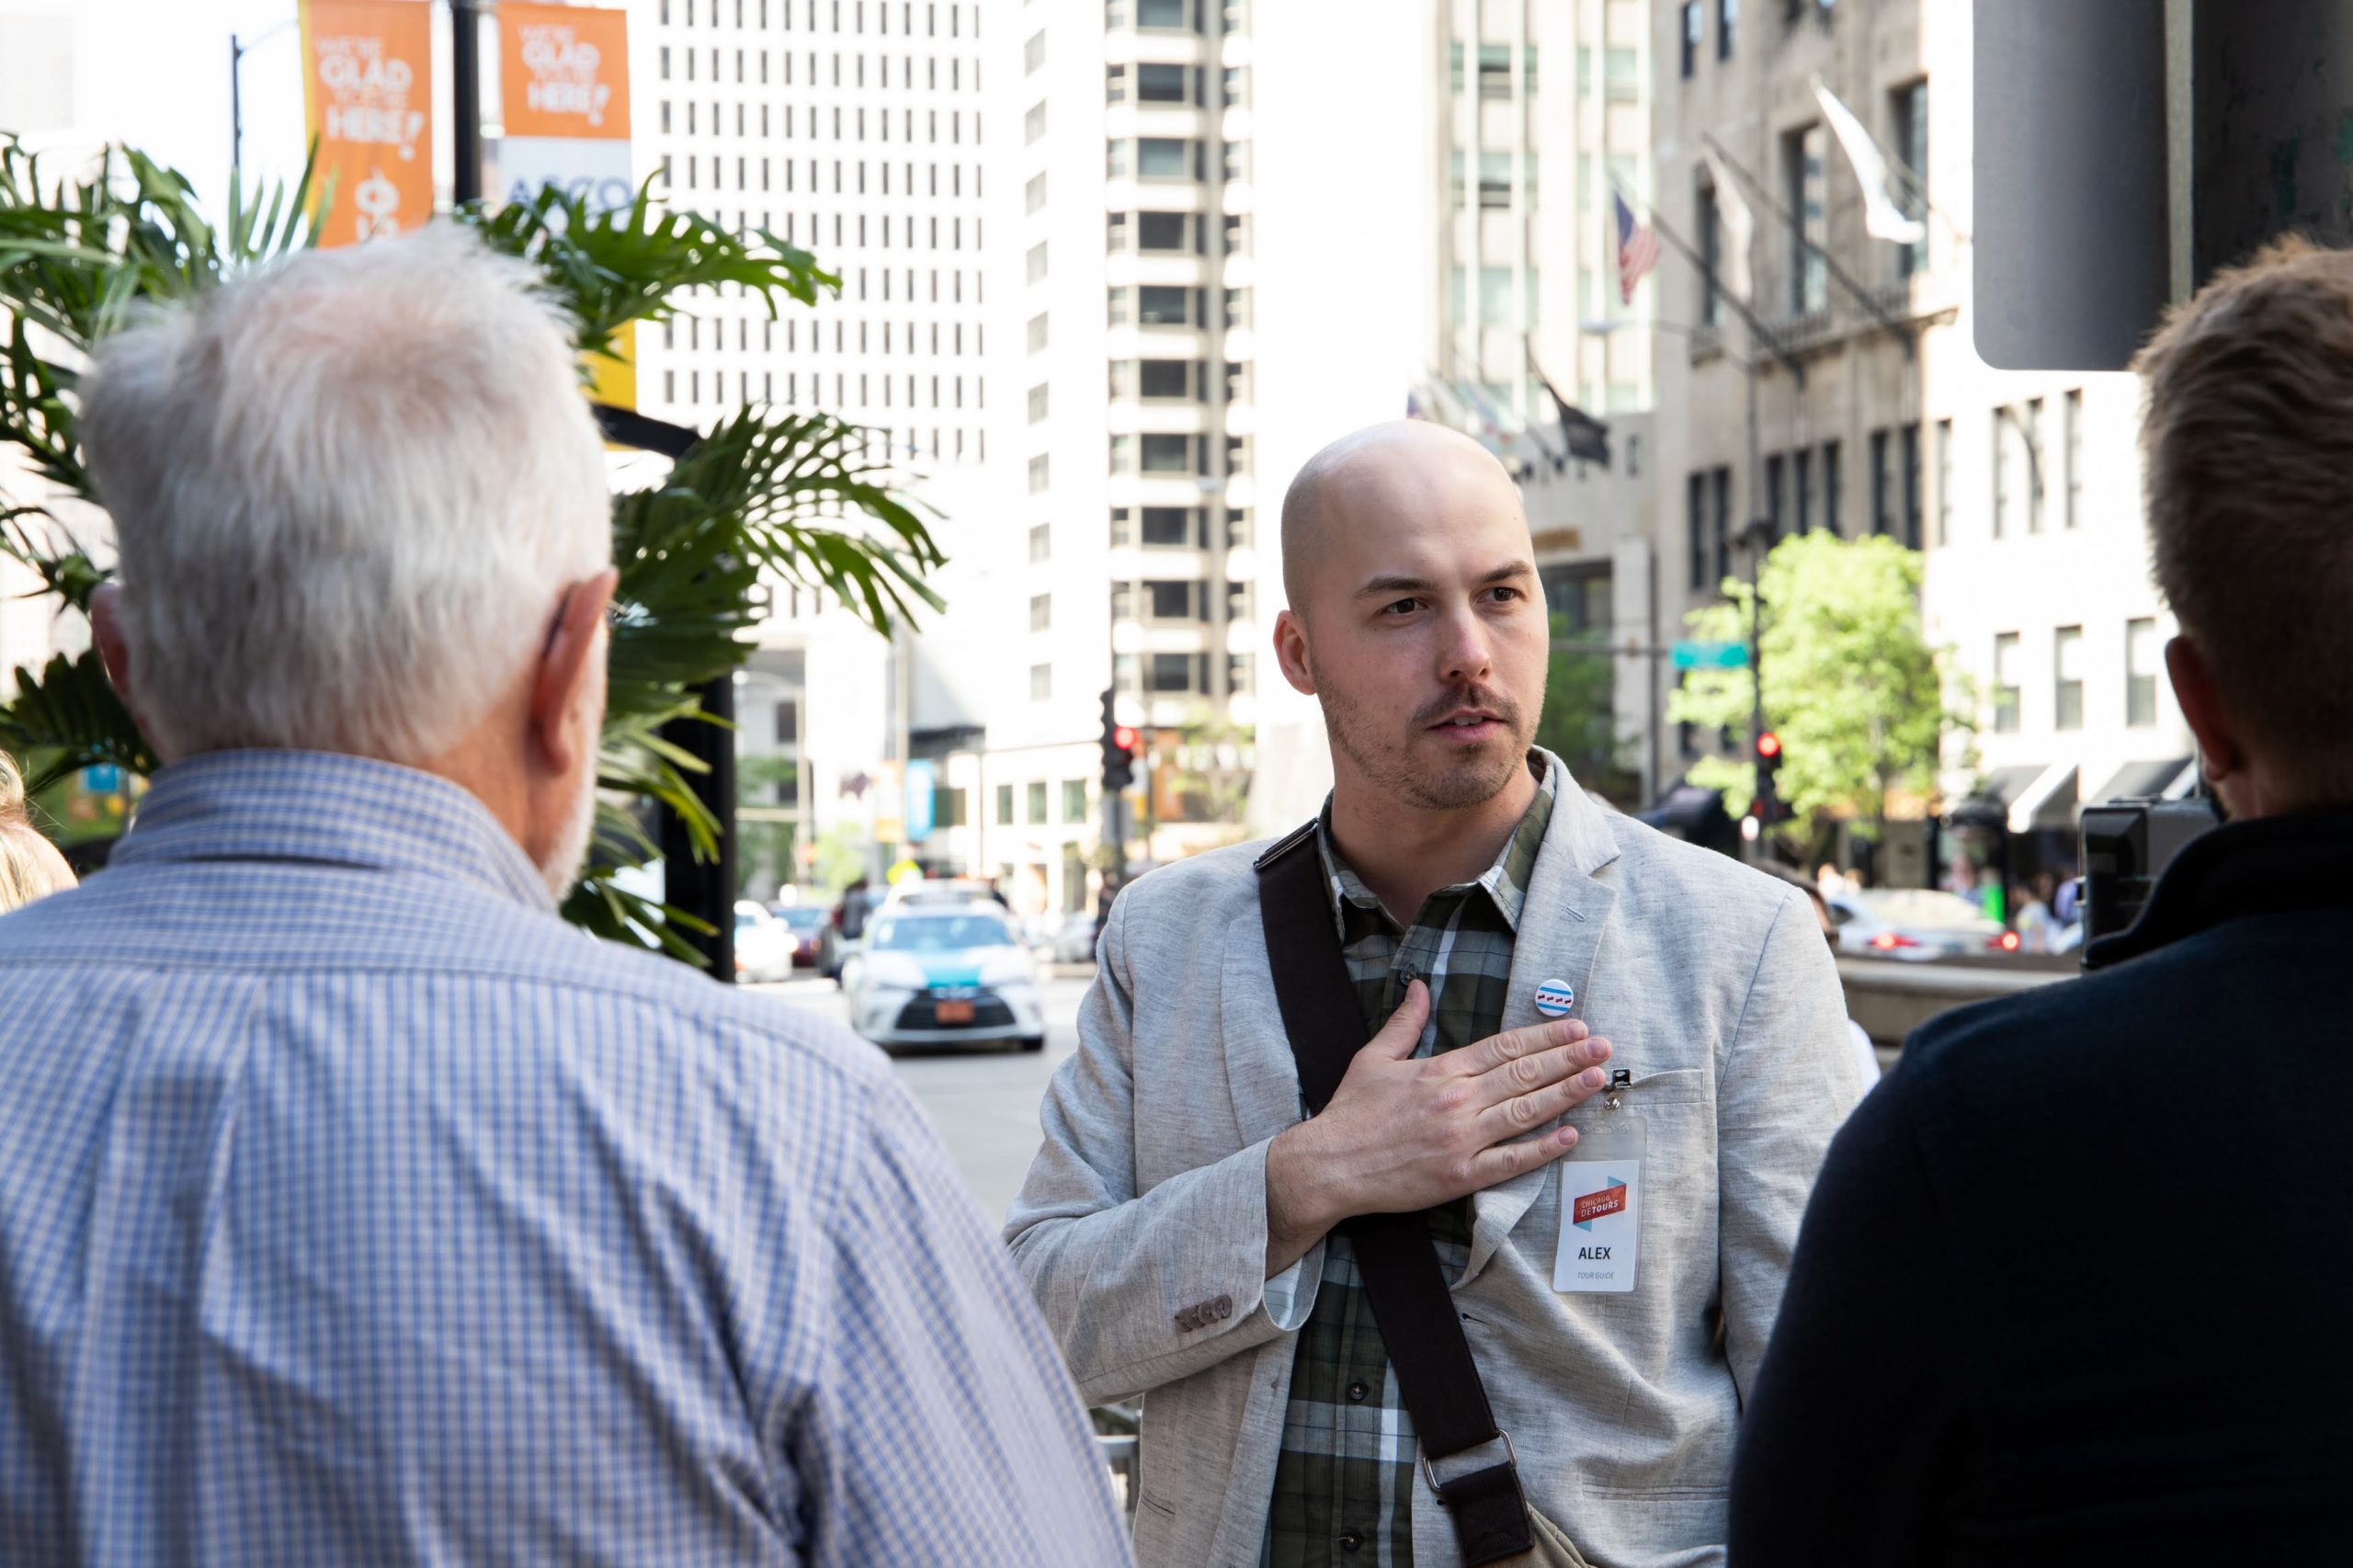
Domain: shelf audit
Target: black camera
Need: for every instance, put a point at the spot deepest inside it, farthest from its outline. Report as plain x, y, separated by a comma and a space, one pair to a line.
2126, 845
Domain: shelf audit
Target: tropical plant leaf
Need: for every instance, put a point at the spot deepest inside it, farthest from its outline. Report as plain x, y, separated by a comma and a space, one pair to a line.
71, 708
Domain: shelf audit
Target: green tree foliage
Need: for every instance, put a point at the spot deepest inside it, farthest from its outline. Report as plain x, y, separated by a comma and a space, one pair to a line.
762, 497
1579, 724
1852, 684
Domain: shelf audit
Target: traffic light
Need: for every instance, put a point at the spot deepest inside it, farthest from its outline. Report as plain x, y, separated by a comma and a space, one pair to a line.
1768, 766
1118, 749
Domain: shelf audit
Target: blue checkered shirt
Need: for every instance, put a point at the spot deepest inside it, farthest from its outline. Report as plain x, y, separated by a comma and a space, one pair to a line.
355, 1210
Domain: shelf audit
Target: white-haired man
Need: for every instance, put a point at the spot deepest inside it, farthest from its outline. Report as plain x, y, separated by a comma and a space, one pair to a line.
352, 1207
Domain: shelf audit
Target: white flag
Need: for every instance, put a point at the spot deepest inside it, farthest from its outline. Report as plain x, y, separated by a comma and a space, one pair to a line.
1881, 214
1738, 226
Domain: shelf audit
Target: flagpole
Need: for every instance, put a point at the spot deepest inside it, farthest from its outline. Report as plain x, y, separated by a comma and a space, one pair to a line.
1830, 262
1759, 331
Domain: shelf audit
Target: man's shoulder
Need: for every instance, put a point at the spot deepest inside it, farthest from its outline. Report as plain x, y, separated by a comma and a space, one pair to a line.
1669, 876
1207, 885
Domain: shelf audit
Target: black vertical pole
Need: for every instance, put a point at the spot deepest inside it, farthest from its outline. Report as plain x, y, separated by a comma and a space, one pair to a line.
236, 105
465, 69
706, 889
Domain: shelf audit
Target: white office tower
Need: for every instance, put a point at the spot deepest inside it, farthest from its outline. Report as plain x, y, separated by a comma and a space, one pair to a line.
852, 129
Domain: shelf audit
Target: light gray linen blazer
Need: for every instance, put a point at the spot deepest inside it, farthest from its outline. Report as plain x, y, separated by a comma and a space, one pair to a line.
1142, 1224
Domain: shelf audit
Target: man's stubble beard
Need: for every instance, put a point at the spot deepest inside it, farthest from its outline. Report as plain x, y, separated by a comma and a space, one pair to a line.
1471, 782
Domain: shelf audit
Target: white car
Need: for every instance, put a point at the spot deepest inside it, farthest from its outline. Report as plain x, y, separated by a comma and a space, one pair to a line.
763, 944
944, 976
1919, 925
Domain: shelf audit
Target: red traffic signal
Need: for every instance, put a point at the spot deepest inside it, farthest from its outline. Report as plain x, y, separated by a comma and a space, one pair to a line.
1123, 737
1768, 746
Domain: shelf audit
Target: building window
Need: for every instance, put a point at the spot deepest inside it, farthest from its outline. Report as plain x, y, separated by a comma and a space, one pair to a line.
2038, 454
1034, 193
2067, 678
1494, 71
1170, 454
2006, 683
1727, 25
1041, 613
1621, 75
1167, 85
1707, 226
2071, 409
1040, 473
1038, 262
1038, 403
1167, 15
1834, 488
1494, 179
1692, 24
1033, 124
1774, 475
1803, 462
1881, 520
1005, 805
1944, 482
1722, 488
1696, 523
1179, 673
2001, 433
1038, 333
1804, 185
1042, 689
1073, 800
1907, 440
2141, 658
1038, 790
1165, 158
1041, 541
1910, 107
1033, 56
1169, 528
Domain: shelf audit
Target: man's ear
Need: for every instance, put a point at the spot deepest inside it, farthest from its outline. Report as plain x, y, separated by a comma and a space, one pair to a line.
114, 651
1290, 651
571, 664
2203, 710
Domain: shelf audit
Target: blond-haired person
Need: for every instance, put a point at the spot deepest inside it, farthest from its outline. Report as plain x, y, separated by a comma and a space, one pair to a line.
30, 866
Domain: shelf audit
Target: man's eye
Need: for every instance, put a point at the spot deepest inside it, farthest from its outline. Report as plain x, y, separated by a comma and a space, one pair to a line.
1401, 606
1503, 594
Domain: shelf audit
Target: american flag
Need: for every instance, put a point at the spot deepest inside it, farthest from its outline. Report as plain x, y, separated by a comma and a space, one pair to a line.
1637, 249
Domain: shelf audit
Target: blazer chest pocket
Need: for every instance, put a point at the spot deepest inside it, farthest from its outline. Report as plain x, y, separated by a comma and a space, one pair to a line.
1674, 1086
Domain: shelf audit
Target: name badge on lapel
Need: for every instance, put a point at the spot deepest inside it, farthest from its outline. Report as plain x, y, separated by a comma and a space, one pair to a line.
1601, 1201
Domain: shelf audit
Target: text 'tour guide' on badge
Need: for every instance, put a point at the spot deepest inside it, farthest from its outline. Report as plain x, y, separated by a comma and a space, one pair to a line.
1555, 997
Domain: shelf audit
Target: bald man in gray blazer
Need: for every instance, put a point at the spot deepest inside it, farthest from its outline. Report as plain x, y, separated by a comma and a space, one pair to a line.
1535, 972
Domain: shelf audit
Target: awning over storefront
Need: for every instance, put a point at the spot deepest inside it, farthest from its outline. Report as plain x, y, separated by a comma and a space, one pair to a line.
1988, 806
2140, 780
2048, 802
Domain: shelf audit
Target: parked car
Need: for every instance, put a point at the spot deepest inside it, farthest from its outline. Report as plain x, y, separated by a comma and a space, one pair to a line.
763, 944
1074, 938
939, 893
807, 924
1919, 925
926, 976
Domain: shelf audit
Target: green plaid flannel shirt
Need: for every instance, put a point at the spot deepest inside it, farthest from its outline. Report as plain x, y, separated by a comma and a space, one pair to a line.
1345, 1478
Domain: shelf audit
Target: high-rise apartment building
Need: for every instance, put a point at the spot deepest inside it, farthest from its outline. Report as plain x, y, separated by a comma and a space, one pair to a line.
852, 129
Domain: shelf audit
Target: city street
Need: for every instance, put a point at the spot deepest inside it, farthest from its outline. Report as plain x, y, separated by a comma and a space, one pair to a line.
983, 1100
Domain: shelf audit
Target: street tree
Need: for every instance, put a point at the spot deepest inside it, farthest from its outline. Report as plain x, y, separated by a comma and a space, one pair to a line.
1852, 687
1579, 723
761, 497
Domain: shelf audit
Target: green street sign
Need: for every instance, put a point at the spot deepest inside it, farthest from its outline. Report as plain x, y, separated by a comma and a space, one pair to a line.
1710, 655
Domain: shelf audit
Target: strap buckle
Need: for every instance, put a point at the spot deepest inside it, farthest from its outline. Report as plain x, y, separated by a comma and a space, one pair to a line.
1511, 1458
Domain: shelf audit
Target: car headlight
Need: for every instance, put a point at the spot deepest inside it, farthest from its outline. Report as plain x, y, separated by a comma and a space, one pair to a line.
1011, 969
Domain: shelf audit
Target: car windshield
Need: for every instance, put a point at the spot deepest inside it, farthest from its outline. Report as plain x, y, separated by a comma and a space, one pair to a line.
802, 918
942, 933
1922, 907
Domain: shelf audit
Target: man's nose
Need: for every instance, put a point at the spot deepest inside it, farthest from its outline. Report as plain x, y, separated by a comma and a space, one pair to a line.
1464, 651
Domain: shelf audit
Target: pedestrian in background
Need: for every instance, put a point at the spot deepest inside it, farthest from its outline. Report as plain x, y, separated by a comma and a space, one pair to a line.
354, 1208
2074, 1285
1508, 947
30, 866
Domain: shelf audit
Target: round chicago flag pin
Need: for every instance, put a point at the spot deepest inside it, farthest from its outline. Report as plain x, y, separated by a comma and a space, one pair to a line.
1555, 997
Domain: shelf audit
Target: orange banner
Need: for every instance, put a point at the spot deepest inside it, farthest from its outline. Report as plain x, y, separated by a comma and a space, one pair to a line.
367, 90
563, 72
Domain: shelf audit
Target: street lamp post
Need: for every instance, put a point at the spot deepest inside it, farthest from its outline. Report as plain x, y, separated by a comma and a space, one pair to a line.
238, 49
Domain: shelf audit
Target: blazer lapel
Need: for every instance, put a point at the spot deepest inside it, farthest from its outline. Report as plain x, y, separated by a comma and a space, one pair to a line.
1561, 926
1260, 1072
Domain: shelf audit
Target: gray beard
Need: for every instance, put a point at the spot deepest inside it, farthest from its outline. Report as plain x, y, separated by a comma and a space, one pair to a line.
561, 868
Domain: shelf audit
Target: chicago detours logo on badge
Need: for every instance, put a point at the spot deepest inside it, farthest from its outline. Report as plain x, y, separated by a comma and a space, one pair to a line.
1591, 1206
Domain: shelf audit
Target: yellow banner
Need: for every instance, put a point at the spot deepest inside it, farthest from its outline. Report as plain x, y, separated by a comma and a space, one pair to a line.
367, 92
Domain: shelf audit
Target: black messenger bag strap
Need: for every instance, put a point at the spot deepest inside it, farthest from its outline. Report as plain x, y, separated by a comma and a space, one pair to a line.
1403, 1277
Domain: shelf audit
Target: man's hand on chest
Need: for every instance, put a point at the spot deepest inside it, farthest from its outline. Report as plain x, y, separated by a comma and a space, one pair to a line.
1403, 1133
